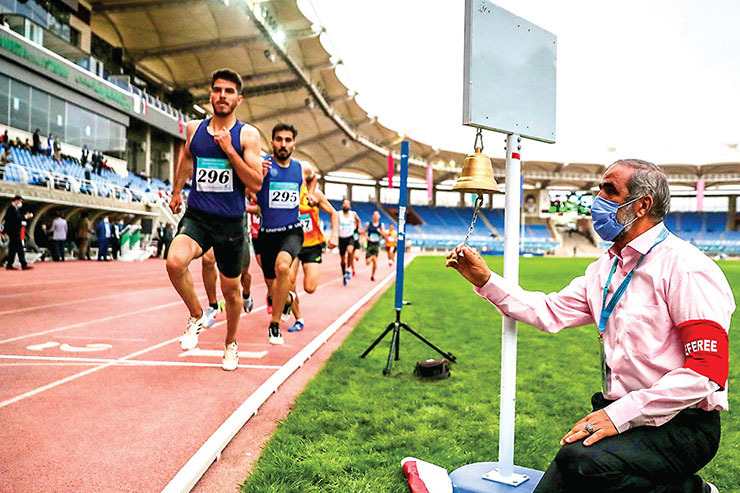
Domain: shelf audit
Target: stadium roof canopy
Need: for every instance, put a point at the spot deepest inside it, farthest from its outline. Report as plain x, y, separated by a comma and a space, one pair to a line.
290, 77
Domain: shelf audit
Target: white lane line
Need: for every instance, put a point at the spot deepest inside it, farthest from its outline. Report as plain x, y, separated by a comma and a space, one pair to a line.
143, 351
76, 302
81, 374
218, 353
93, 338
97, 320
209, 452
69, 287
137, 362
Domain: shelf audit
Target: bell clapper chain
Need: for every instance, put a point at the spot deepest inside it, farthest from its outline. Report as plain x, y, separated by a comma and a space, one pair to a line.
476, 210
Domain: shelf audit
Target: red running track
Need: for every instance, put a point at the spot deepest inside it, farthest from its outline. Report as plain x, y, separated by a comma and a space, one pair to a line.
96, 394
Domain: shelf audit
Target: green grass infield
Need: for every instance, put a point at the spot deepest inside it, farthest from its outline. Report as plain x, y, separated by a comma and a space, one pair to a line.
351, 426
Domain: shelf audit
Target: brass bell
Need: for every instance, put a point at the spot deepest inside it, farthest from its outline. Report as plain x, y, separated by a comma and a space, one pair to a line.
476, 175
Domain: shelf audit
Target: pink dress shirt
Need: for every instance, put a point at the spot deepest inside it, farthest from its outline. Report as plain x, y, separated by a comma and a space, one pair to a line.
675, 283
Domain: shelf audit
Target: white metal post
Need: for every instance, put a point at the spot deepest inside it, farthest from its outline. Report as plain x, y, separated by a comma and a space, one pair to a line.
505, 472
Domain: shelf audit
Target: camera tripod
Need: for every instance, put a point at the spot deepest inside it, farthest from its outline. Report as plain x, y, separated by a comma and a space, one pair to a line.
396, 327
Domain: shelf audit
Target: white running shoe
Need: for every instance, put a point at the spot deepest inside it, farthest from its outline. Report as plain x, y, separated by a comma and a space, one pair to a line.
275, 336
189, 339
231, 357
248, 304
288, 308
211, 316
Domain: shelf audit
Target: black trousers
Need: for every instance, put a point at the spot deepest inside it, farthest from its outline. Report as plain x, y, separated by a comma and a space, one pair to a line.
657, 459
16, 248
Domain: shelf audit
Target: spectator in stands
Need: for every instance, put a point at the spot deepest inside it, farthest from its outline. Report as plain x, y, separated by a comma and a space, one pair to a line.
663, 310
50, 145
26, 146
87, 186
58, 237
104, 231
5, 139
57, 150
14, 221
5, 160
85, 154
36, 148
84, 230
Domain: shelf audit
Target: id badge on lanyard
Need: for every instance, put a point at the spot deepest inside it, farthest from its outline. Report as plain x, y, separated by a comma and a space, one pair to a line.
607, 309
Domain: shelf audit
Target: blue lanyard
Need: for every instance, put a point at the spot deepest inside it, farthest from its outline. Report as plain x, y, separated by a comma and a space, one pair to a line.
606, 310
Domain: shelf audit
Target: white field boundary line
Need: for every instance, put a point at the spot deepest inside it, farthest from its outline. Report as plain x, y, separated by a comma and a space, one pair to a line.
137, 362
124, 358
210, 451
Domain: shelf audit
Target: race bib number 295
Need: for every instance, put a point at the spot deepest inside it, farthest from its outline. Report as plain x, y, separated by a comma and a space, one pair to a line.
283, 195
214, 175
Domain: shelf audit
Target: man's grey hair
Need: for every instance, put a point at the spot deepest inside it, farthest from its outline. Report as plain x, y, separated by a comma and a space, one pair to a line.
648, 180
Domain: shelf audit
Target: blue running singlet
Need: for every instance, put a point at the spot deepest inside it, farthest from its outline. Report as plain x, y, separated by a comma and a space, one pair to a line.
279, 196
216, 188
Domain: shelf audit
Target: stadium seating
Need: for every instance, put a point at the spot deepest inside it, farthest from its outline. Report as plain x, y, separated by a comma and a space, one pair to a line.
706, 230
41, 170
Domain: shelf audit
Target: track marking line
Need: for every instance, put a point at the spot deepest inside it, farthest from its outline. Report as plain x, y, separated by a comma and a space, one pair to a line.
219, 353
76, 302
196, 466
136, 362
97, 320
157, 346
82, 374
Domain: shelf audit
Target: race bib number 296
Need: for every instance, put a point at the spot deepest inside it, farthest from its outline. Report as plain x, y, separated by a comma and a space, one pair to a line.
214, 175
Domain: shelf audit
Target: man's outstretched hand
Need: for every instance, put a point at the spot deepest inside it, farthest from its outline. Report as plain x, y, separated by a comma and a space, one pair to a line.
470, 264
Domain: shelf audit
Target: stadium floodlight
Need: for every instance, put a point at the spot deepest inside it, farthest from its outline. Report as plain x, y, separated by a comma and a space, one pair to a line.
509, 87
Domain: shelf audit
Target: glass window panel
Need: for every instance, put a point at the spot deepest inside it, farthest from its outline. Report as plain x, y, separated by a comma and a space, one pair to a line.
40, 111
57, 110
76, 126
102, 133
20, 110
4, 100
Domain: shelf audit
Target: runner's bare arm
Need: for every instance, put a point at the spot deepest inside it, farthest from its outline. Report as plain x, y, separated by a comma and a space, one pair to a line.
358, 223
326, 206
183, 168
249, 166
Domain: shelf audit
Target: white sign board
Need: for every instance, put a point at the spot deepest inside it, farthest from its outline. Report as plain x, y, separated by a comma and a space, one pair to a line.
510, 67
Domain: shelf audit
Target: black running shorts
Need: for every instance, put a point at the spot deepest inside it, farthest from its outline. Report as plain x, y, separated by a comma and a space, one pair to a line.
311, 254
224, 234
344, 243
272, 243
372, 249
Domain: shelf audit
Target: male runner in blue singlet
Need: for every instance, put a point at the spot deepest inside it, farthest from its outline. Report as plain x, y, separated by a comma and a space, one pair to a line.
281, 232
222, 158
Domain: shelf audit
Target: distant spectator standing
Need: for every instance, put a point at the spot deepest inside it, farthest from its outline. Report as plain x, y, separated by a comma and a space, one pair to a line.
13, 223
85, 155
5, 139
59, 229
5, 160
36, 147
50, 145
104, 231
116, 238
83, 235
